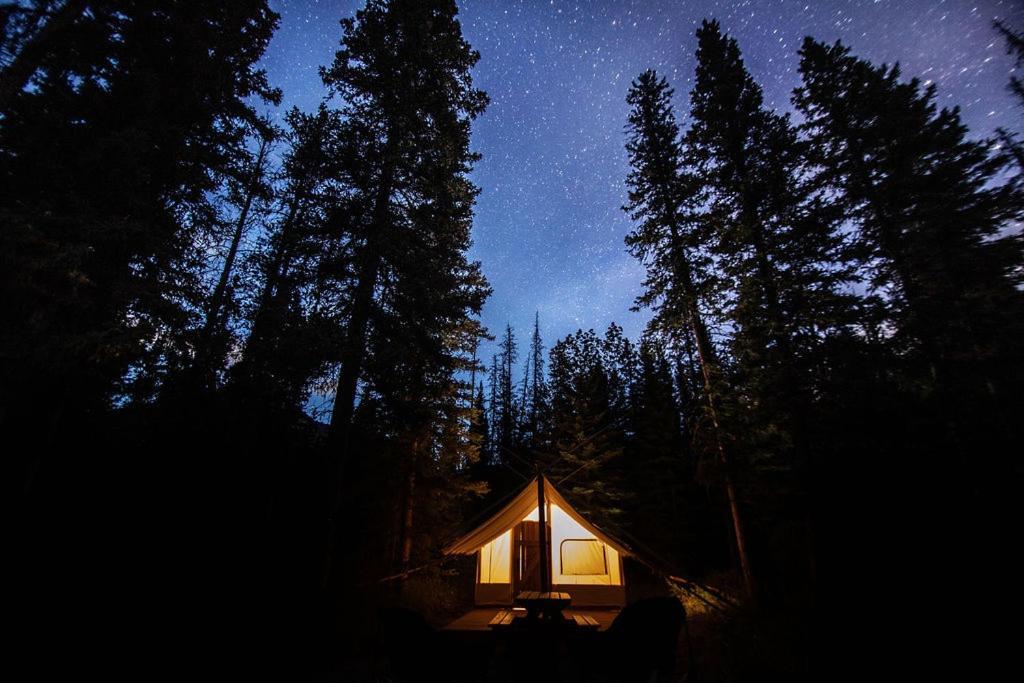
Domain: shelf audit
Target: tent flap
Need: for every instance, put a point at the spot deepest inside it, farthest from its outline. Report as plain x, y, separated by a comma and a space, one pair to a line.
514, 512
552, 495
502, 521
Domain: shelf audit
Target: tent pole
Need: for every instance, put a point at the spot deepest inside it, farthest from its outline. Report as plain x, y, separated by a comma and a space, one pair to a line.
545, 559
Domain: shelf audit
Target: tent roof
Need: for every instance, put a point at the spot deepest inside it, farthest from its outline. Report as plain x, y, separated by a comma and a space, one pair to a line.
514, 512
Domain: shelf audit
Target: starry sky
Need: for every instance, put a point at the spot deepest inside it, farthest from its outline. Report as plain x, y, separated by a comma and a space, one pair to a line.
549, 228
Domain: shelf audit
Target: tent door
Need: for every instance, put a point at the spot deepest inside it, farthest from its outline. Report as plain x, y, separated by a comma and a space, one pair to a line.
526, 558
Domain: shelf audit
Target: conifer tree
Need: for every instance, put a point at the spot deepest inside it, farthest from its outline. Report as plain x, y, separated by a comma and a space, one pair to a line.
657, 460
535, 392
586, 434
622, 364
402, 74
492, 407
932, 219
507, 408
249, 192
403, 77
480, 429
290, 338
1015, 48
669, 240
932, 212
775, 236
108, 163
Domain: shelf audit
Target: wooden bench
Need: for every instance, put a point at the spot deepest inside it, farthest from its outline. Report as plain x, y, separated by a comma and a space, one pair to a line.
586, 621
503, 619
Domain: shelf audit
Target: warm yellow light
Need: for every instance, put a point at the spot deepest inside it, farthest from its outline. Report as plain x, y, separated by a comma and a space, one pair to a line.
585, 560
496, 560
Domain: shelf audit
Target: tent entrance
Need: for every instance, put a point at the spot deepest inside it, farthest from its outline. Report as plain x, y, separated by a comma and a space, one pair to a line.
581, 559
526, 557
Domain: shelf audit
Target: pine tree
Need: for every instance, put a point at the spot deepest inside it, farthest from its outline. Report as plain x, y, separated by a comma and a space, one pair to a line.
249, 191
776, 239
622, 364
535, 393
289, 337
932, 213
657, 460
480, 431
507, 408
492, 407
403, 75
931, 216
133, 120
1015, 48
668, 239
424, 339
586, 434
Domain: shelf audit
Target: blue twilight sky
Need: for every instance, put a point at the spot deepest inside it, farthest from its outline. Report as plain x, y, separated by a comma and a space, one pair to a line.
549, 229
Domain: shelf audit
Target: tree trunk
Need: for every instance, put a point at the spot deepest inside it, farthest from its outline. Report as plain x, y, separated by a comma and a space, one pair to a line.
206, 355
213, 312
707, 363
472, 377
407, 517
353, 351
276, 272
709, 366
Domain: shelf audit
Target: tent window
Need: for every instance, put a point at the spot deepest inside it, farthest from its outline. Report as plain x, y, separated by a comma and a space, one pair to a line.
583, 557
496, 560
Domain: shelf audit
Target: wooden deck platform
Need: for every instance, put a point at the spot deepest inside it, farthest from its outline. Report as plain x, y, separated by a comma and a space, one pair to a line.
479, 618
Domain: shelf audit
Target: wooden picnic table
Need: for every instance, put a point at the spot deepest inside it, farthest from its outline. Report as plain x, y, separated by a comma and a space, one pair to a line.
542, 608
507, 619
547, 604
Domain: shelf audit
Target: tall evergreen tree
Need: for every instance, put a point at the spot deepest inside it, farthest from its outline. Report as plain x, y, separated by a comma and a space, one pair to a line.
108, 163
290, 336
774, 237
932, 212
932, 217
1015, 48
403, 75
249, 192
587, 435
480, 429
492, 406
535, 393
658, 464
668, 239
507, 408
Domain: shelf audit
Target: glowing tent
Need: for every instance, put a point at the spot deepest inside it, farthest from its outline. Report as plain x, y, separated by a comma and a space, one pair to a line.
578, 557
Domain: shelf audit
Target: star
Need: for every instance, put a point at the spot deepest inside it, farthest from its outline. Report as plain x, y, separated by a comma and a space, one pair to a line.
548, 227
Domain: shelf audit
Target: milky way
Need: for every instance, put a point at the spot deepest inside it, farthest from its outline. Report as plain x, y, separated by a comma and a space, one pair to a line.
549, 226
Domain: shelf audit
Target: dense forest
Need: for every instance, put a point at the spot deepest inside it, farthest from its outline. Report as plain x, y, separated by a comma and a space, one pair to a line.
832, 380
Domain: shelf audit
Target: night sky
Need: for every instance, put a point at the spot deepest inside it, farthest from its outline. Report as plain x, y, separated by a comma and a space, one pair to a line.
549, 228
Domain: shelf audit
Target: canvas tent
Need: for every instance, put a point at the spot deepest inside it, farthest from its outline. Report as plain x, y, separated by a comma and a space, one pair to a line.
580, 558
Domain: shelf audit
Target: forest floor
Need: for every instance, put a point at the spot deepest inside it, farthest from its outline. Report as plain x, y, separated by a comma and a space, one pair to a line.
714, 648
405, 638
